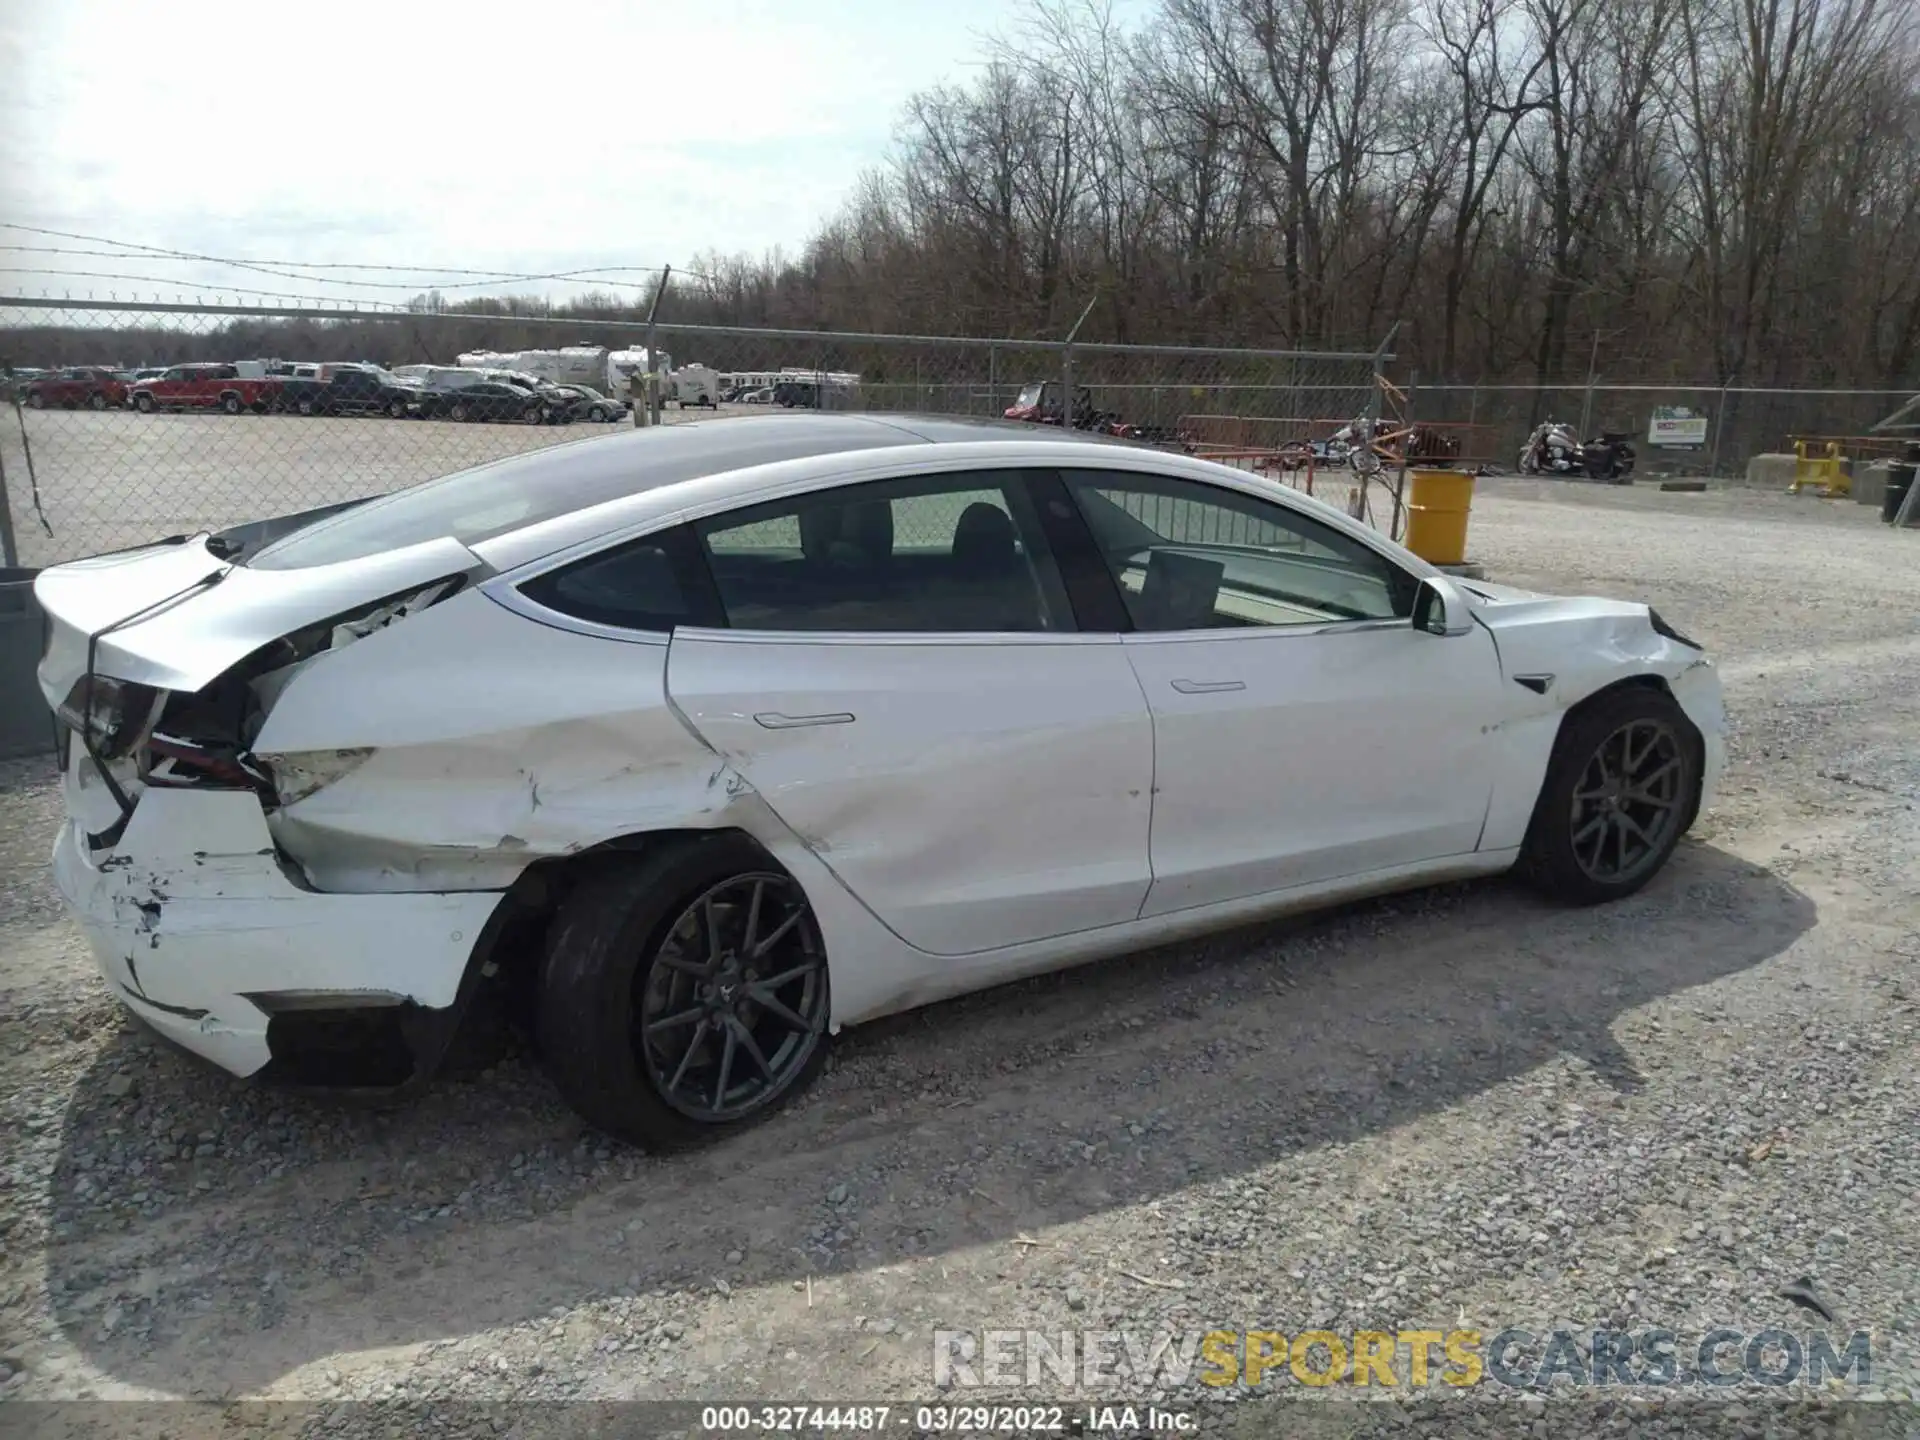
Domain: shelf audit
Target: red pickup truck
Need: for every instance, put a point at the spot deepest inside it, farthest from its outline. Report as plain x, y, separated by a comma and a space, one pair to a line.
91, 385
205, 387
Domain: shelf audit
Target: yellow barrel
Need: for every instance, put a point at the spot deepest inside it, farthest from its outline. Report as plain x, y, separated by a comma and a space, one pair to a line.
1437, 506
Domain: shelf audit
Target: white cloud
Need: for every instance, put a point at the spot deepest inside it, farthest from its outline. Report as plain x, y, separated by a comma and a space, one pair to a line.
520, 135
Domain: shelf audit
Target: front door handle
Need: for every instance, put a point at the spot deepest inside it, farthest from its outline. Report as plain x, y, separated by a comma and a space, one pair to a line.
774, 720
1208, 687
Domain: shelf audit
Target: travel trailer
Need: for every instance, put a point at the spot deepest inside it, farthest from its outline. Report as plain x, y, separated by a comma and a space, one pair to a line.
570, 365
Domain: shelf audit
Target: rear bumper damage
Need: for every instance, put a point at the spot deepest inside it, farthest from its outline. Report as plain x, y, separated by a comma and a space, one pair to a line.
201, 931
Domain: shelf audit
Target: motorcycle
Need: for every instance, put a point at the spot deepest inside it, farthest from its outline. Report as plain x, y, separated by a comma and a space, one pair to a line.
1552, 449
1609, 457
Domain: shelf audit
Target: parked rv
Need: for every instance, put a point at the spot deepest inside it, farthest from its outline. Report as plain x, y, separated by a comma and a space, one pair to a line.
569, 365
693, 385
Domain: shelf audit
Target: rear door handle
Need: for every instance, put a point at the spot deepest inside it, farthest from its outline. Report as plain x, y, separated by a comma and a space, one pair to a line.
774, 720
1208, 687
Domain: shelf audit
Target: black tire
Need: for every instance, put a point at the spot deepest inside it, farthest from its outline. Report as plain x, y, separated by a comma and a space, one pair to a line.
143, 403
457, 410
597, 413
1595, 837
608, 959
397, 409
97, 401
36, 401
304, 405
231, 404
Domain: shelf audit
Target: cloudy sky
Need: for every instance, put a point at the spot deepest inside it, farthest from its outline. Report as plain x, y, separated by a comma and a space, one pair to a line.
492, 134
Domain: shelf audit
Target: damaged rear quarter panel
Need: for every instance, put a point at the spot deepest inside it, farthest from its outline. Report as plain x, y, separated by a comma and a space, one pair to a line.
194, 911
497, 741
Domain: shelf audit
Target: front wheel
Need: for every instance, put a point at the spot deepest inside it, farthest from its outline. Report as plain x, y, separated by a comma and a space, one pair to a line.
1621, 789
397, 409
36, 401
143, 403
97, 401
231, 404
685, 996
597, 413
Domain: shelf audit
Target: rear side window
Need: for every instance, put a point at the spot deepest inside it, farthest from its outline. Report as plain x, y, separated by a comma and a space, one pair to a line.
956, 554
650, 584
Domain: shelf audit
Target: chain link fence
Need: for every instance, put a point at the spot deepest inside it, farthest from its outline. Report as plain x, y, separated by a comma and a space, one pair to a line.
122, 423
1732, 424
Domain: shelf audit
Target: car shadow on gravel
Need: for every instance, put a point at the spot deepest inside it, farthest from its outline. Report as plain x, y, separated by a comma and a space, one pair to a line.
210, 1236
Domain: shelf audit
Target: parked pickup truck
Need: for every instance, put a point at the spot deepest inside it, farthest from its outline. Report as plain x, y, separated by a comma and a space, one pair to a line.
349, 390
204, 387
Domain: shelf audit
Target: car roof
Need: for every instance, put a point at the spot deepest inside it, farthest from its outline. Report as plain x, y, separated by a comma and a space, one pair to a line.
567, 493
643, 478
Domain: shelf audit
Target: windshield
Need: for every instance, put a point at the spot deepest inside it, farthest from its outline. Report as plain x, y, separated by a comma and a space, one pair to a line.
1030, 395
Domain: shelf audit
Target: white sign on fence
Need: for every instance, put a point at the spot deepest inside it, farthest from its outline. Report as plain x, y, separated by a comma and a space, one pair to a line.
1675, 427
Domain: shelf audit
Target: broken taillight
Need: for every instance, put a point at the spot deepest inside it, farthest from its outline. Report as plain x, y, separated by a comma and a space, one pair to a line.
110, 715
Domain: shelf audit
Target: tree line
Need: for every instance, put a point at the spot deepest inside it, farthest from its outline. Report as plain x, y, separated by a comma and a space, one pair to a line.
1722, 191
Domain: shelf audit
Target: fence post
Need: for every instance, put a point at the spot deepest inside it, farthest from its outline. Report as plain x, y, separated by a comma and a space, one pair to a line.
654, 400
1066, 366
9, 547
993, 367
1406, 449
1719, 424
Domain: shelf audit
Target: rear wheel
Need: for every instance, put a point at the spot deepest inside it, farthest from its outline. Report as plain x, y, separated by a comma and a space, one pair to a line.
97, 401
304, 405
36, 401
231, 404
143, 403
685, 996
1621, 789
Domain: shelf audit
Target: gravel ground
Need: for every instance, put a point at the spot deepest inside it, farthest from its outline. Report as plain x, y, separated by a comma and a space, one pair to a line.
1461, 1108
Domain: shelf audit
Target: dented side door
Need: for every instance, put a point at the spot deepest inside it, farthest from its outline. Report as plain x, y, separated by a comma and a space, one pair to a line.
972, 793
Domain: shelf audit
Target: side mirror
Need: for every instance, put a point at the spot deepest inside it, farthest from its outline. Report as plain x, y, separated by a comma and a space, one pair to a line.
1439, 608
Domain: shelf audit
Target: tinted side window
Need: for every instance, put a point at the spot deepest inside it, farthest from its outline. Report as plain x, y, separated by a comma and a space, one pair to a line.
949, 553
1192, 556
654, 583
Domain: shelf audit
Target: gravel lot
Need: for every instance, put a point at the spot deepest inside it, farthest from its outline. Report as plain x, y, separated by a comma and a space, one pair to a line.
1456, 1108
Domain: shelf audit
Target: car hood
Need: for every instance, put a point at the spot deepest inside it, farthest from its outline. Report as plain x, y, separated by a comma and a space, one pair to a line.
177, 616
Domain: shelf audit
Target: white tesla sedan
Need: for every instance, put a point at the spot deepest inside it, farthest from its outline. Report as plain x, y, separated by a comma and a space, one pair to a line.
689, 746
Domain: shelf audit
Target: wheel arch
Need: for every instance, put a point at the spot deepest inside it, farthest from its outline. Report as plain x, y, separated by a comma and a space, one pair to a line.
503, 972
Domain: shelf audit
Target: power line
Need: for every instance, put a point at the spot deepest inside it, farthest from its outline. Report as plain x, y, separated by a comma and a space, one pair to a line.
491, 277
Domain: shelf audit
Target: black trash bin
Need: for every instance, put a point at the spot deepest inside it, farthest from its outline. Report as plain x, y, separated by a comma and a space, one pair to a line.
25, 726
